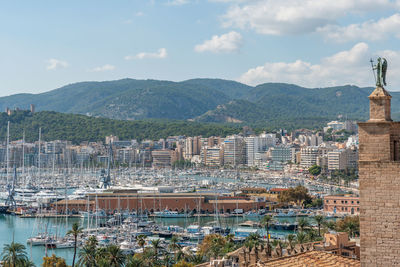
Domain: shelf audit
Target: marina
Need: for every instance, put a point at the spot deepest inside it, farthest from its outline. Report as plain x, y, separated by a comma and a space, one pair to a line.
39, 222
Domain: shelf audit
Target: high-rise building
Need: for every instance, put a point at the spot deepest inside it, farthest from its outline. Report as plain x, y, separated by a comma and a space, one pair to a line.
192, 146
309, 155
252, 148
234, 150
337, 159
189, 148
212, 156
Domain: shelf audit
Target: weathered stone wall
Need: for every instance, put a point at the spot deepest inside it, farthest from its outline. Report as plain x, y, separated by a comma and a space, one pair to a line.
379, 194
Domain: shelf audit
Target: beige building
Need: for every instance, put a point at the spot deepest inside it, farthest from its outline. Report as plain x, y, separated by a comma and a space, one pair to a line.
212, 156
342, 204
162, 158
341, 159
337, 160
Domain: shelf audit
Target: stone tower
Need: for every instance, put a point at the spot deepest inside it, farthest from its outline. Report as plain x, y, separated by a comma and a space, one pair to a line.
379, 171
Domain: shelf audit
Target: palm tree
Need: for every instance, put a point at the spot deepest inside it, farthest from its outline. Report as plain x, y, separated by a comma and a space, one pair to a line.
249, 245
301, 237
115, 256
311, 235
167, 260
102, 262
75, 231
156, 245
14, 254
196, 258
302, 223
330, 225
215, 246
92, 241
255, 240
27, 263
87, 256
141, 240
319, 219
266, 221
174, 246
291, 238
229, 243
351, 227
100, 255
278, 245
133, 261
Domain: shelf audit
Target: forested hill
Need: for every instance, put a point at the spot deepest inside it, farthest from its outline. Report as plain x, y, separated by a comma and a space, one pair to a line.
78, 128
206, 100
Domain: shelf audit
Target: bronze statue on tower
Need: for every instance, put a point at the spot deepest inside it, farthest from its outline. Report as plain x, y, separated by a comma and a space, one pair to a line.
381, 68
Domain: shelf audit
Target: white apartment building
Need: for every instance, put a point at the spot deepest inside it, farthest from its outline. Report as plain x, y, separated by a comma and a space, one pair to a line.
308, 155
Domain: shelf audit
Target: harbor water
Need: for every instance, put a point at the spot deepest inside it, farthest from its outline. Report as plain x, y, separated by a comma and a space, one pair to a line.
20, 229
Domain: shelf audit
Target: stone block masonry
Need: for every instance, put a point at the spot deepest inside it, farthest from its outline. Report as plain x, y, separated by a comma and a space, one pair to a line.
379, 172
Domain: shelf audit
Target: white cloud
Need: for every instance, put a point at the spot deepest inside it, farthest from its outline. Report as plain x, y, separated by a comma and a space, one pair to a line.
226, 43
53, 64
139, 14
296, 16
346, 67
106, 67
370, 30
162, 53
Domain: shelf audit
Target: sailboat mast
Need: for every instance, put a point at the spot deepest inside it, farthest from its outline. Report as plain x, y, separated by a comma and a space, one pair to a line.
40, 147
23, 154
8, 149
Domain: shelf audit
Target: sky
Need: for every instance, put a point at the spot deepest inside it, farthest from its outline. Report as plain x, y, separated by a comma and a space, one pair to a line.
48, 44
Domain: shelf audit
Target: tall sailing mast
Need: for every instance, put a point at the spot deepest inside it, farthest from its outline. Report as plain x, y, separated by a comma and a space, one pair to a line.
23, 154
40, 148
8, 150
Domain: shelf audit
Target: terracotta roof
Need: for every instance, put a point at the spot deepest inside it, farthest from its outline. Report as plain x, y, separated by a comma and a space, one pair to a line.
313, 258
278, 189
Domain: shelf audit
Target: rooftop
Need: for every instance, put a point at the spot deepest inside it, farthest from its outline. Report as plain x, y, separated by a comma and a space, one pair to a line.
313, 258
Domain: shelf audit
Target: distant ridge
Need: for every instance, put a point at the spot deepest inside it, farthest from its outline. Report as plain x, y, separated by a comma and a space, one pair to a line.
205, 100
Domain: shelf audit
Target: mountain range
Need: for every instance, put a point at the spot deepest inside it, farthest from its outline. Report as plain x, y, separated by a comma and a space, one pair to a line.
204, 100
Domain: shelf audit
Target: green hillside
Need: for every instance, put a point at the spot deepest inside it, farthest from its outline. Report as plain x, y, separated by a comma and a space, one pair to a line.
205, 100
276, 102
78, 128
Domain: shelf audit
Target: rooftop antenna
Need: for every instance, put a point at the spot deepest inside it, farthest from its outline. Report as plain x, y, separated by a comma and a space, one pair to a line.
373, 68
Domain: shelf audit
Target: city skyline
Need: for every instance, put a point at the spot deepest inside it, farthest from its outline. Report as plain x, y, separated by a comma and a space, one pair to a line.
312, 43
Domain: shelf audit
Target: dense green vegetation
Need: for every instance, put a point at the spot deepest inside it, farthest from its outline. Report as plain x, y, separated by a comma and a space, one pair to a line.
271, 105
315, 170
298, 194
78, 128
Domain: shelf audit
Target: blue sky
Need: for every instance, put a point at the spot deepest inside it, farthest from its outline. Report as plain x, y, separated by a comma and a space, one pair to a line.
47, 44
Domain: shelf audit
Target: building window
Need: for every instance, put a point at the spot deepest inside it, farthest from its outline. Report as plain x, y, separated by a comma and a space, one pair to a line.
327, 201
358, 202
345, 202
352, 202
334, 201
342, 201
